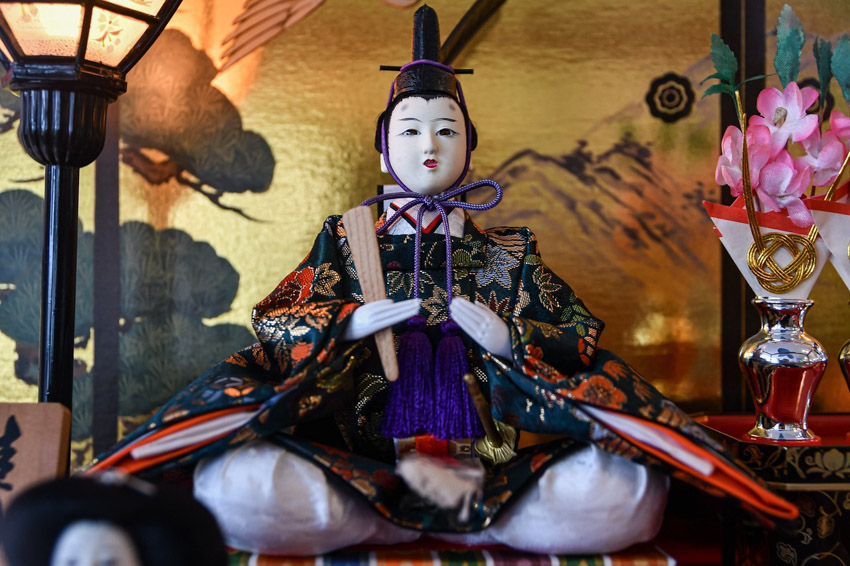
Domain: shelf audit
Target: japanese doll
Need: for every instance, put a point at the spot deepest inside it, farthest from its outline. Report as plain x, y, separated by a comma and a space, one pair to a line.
294, 441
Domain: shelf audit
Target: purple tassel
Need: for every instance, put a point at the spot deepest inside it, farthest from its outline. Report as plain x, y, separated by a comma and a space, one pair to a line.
454, 415
411, 398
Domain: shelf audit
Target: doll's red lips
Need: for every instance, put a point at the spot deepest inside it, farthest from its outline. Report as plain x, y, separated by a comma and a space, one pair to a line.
430, 163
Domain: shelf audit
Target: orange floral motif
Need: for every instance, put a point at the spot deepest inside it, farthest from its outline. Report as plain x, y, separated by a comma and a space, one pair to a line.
672, 415
600, 391
237, 391
537, 368
533, 351
616, 369
290, 382
237, 360
347, 309
294, 289
260, 357
300, 351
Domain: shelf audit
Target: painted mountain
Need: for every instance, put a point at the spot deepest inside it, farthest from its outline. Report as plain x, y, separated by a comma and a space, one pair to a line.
635, 245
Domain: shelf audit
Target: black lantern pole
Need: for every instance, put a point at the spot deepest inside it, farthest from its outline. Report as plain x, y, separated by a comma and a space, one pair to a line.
63, 130
64, 101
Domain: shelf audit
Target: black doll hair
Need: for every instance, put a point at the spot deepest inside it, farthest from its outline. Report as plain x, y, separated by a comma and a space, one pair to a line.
386, 114
166, 525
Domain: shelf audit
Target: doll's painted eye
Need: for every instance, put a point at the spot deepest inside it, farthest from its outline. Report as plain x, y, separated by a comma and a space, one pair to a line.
446, 132
410, 132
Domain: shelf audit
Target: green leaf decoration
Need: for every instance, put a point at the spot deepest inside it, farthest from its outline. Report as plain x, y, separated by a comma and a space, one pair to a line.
822, 50
719, 87
725, 62
714, 76
789, 46
841, 65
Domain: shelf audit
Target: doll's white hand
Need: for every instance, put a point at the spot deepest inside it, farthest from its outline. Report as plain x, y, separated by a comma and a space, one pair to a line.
375, 316
482, 325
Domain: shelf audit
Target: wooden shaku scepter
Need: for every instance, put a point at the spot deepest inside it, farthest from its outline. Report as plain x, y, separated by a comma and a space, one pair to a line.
360, 231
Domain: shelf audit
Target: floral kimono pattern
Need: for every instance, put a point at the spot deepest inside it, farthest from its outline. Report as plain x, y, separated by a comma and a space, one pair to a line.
323, 398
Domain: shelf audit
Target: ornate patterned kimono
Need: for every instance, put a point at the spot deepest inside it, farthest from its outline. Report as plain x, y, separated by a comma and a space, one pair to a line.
323, 399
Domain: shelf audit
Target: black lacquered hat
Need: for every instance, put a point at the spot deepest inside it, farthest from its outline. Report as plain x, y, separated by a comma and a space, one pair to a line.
425, 73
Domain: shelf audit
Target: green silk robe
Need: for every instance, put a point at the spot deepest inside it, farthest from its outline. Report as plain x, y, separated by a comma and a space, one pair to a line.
323, 398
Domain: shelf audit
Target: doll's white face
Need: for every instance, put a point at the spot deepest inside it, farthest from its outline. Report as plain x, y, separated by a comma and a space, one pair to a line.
426, 141
94, 543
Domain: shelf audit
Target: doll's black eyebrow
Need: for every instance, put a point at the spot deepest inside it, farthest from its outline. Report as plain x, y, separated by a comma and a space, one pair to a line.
434, 120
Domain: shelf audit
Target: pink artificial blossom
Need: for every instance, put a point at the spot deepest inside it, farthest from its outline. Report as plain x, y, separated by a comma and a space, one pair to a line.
784, 114
824, 156
839, 125
782, 185
729, 164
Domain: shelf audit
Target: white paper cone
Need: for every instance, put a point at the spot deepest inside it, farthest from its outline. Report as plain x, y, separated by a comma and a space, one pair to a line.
833, 221
731, 225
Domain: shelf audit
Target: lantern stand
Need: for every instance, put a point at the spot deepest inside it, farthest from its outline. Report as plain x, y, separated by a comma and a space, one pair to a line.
66, 79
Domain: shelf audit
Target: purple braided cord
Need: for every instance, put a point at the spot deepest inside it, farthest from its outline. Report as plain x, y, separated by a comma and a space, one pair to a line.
440, 203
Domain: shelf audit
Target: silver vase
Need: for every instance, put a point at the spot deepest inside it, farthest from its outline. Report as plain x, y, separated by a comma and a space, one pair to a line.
783, 366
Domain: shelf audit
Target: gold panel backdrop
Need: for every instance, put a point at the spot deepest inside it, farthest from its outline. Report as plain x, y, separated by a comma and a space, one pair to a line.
238, 169
558, 100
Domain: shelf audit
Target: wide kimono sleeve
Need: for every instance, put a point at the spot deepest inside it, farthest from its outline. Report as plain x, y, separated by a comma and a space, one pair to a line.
297, 371
560, 382
550, 327
303, 318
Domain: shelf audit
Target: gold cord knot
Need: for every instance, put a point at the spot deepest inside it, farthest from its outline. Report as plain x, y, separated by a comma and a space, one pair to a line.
773, 277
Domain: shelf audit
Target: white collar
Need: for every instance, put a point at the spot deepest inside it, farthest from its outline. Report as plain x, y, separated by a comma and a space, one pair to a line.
407, 225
